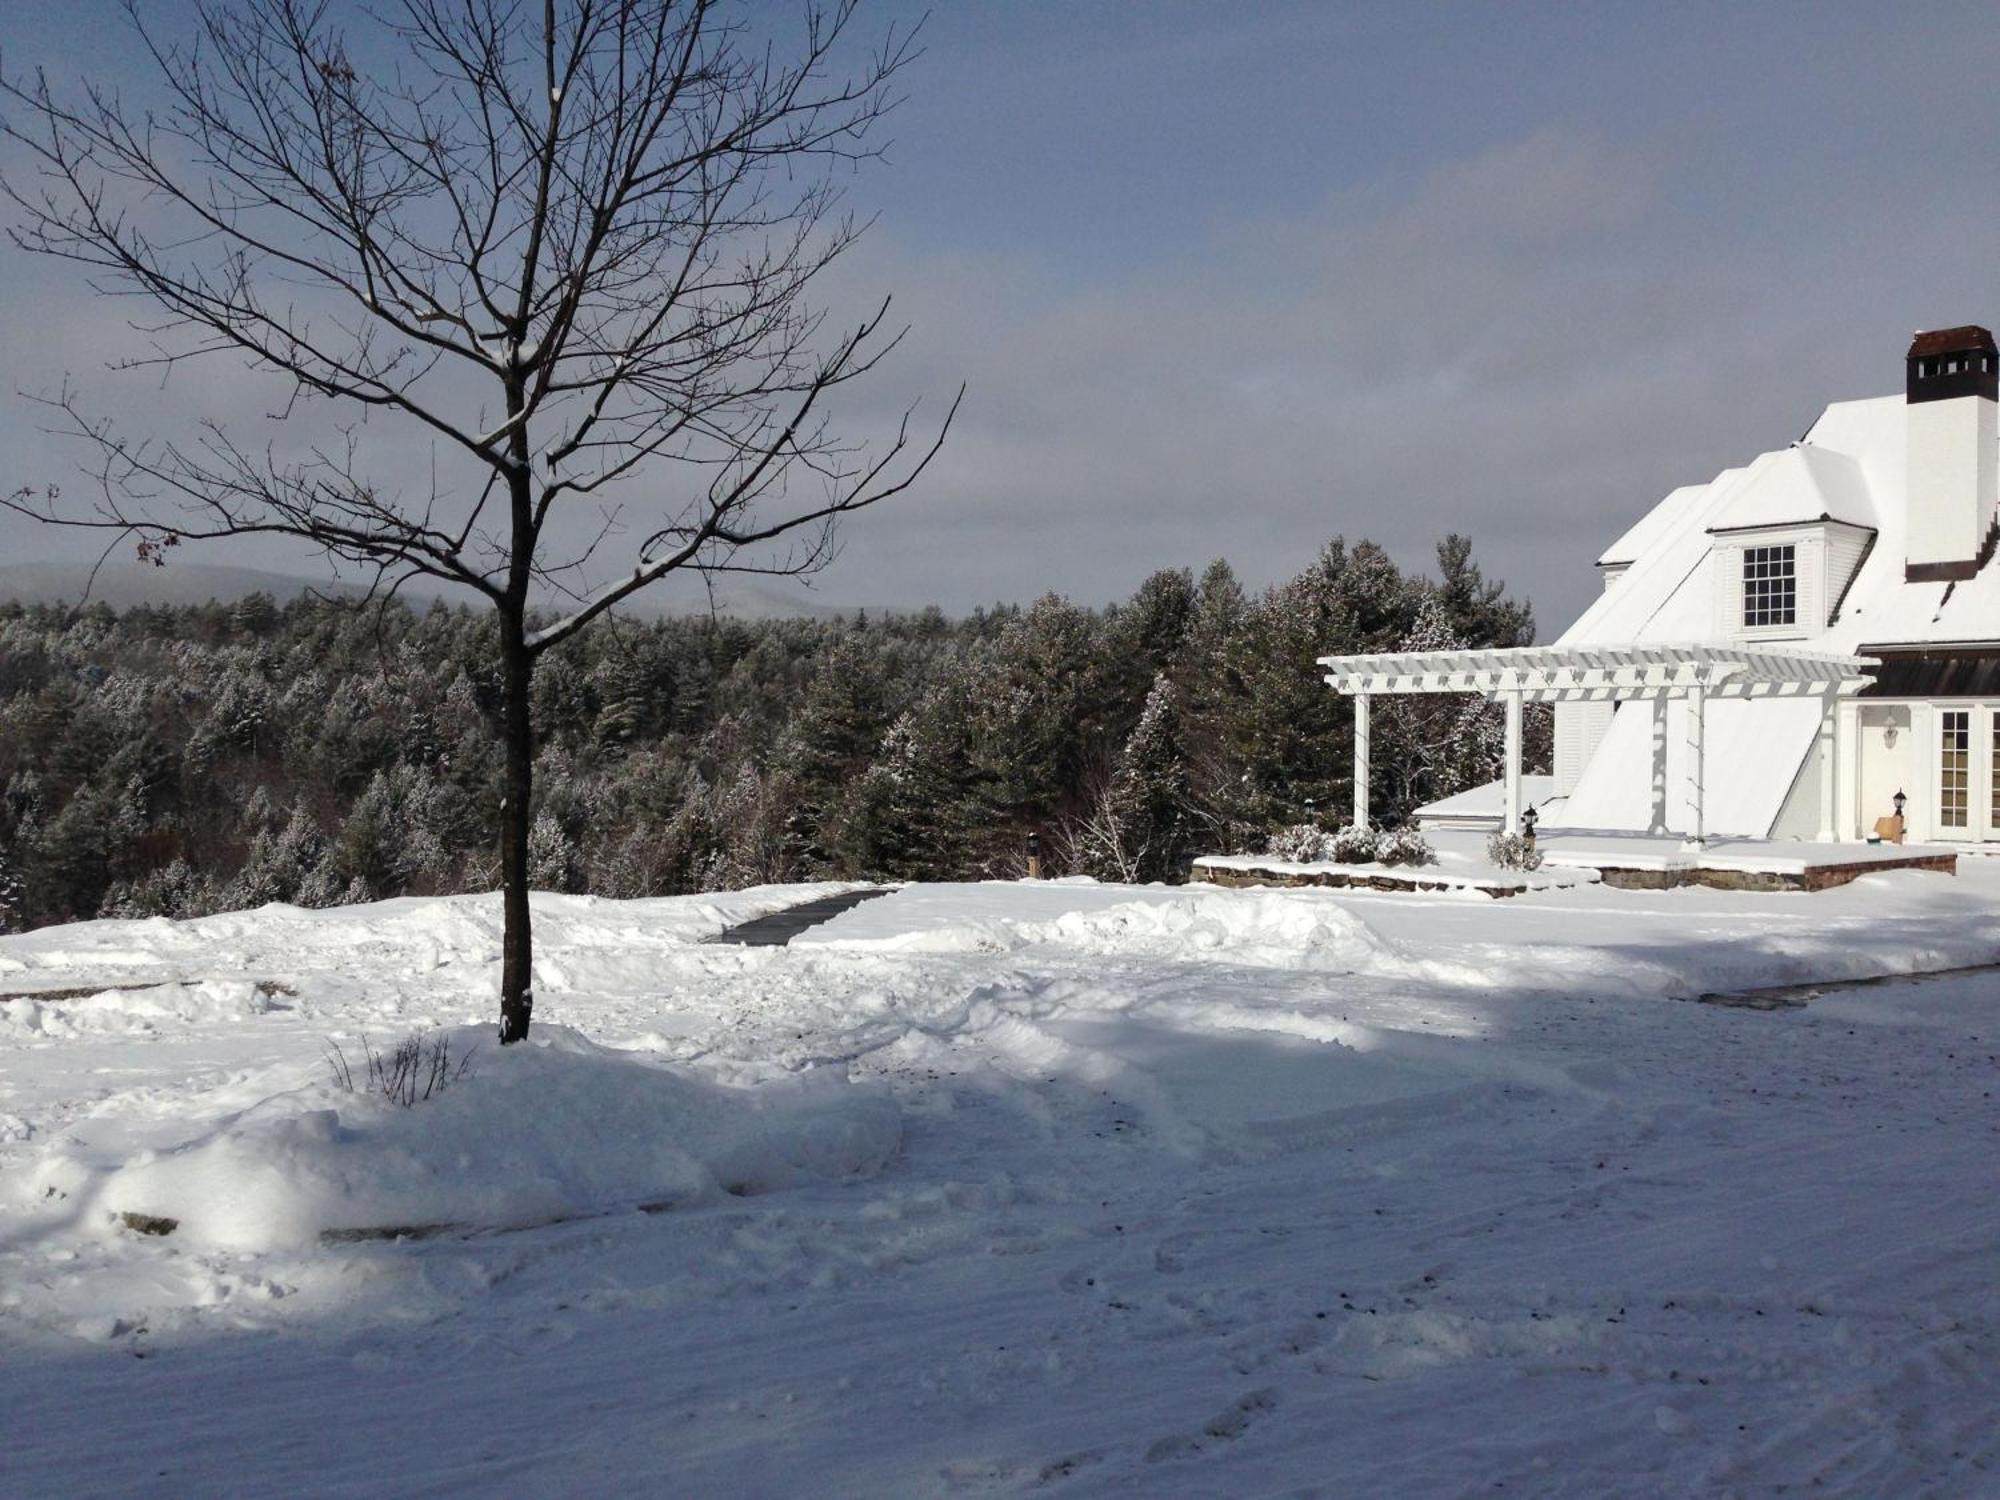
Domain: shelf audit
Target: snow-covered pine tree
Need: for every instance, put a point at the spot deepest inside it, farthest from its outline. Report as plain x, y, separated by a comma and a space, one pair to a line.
1289, 738
827, 746
13, 894
1151, 794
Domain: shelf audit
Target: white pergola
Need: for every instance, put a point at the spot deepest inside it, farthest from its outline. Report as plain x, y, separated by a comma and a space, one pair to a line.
1554, 674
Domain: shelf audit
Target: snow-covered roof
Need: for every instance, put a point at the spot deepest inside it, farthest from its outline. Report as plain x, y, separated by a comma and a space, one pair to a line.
1847, 470
1647, 530
1796, 486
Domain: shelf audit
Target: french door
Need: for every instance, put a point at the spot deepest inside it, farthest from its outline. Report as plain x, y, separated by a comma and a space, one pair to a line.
1966, 805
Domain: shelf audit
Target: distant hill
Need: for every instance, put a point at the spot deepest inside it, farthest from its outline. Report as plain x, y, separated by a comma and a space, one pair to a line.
123, 584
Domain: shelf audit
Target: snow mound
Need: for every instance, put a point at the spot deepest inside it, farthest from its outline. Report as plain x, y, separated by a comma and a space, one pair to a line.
134, 1011
1264, 929
549, 1129
1278, 930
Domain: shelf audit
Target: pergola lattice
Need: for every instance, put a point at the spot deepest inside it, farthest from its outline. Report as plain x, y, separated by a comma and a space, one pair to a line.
1552, 674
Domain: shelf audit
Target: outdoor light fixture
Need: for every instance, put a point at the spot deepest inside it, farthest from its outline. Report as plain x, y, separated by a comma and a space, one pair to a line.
1528, 819
1899, 799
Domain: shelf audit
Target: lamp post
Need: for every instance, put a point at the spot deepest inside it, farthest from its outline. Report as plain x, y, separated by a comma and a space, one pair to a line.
1529, 818
1034, 856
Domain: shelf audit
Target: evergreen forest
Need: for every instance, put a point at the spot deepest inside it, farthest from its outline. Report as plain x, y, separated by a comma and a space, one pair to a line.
183, 761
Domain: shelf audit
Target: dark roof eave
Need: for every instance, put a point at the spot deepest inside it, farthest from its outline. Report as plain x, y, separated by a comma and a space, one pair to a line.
1822, 519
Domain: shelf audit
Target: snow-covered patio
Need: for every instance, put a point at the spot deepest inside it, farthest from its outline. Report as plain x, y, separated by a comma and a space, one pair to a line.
1197, 1191
1625, 860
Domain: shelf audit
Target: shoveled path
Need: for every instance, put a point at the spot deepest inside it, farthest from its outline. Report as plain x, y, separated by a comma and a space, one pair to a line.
780, 927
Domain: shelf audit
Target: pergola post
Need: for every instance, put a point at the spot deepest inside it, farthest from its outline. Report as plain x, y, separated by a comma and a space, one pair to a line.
1657, 818
1829, 704
1698, 832
1360, 760
1513, 770
1847, 821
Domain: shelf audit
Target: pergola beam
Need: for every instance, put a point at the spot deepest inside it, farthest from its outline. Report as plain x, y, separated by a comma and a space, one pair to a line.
1573, 673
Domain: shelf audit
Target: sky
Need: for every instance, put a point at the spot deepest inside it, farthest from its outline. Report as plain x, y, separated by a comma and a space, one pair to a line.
1230, 280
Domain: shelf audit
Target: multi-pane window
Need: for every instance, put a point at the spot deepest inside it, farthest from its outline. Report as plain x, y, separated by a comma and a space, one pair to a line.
1954, 767
1993, 802
1770, 586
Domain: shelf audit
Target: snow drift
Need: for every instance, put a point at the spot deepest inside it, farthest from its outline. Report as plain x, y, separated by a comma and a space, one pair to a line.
1274, 930
541, 1131
133, 1012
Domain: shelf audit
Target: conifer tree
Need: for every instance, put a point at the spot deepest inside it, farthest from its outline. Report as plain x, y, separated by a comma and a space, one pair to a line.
13, 894
1151, 795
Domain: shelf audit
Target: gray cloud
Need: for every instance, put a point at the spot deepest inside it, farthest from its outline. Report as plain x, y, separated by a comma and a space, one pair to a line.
1528, 332
1523, 344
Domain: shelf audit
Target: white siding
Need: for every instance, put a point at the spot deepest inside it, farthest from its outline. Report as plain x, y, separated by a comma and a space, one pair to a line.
1950, 478
1580, 730
1844, 549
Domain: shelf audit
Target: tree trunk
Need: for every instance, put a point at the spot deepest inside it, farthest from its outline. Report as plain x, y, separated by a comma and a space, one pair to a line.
517, 995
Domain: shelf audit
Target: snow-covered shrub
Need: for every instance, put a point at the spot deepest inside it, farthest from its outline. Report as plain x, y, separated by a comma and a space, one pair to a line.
1302, 843
1406, 846
1355, 845
1512, 852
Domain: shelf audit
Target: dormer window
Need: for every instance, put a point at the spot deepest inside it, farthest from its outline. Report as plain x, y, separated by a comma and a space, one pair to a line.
1770, 586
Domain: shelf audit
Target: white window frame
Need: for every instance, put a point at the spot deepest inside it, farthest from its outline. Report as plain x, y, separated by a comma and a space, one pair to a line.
1973, 823
1782, 562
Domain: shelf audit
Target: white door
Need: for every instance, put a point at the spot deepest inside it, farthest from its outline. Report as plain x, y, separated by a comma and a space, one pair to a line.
1885, 762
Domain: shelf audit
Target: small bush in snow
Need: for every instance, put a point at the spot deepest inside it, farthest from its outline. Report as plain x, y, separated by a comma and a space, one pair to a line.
1512, 852
1354, 845
1302, 843
413, 1071
1406, 846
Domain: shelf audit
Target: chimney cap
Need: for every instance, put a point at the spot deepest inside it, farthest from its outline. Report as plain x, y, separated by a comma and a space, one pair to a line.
1965, 339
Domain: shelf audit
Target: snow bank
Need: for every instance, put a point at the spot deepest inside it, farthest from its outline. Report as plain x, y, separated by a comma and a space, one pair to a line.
1262, 928
549, 1129
134, 1011
1276, 930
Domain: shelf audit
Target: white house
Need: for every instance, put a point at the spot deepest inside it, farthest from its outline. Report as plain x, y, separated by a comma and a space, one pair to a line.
1779, 652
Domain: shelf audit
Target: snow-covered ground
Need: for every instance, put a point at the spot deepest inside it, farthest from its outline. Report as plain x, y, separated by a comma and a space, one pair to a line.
994, 1189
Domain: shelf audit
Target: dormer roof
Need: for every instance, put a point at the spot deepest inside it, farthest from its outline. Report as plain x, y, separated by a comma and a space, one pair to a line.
1799, 486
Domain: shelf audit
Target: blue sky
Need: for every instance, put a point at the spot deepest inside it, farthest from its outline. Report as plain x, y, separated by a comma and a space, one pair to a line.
1230, 279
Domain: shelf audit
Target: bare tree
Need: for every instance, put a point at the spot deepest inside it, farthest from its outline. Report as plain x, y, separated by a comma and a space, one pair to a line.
567, 241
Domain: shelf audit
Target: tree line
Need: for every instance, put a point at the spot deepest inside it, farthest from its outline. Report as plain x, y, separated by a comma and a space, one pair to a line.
182, 761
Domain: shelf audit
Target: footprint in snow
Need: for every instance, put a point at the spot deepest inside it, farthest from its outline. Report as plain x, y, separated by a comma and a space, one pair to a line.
1226, 1426
1058, 1469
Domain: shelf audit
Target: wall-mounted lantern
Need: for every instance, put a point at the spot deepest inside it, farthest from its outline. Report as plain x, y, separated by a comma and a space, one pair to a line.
1899, 799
